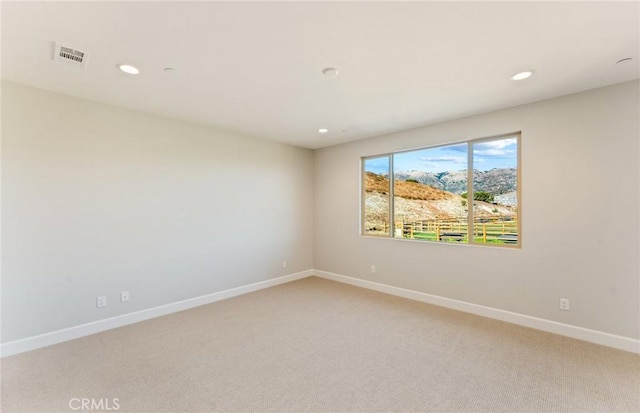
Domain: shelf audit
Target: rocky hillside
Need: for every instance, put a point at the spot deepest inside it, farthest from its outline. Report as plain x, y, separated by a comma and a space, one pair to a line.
495, 181
404, 189
416, 201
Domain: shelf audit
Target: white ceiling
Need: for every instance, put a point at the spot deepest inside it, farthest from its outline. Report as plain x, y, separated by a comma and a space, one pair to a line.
255, 68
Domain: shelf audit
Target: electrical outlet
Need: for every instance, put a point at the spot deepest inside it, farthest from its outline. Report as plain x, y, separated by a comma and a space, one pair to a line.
124, 296
284, 264
101, 301
373, 269
564, 304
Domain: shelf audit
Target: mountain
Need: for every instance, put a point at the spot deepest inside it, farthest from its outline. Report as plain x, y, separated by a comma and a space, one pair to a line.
496, 181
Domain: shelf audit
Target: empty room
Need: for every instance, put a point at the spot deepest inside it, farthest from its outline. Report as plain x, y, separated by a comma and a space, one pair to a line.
320, 206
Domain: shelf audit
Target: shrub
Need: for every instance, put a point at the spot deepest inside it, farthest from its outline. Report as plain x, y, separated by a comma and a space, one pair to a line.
479, 196
483, 196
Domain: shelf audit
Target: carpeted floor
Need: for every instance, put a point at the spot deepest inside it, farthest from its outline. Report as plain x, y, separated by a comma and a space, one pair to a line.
318, 346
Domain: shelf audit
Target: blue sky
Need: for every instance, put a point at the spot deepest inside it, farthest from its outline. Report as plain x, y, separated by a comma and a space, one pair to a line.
487, 155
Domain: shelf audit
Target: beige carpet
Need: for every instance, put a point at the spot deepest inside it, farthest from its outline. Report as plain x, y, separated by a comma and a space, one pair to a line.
319, 346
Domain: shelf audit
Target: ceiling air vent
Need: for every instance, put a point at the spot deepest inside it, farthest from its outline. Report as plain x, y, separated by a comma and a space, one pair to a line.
69, 55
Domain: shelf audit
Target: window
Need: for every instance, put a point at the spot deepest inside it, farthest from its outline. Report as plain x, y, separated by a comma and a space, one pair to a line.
466, 192
377, 188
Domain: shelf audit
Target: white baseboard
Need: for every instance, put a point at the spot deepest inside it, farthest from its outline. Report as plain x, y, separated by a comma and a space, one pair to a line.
598, 337
31, 343
580, 333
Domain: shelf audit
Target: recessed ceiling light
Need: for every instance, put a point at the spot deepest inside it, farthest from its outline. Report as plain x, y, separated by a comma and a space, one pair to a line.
330, 72
625, 60
323, 130
521, 75
132, 70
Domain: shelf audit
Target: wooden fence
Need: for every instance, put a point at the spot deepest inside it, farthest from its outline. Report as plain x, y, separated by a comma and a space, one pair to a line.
501, 230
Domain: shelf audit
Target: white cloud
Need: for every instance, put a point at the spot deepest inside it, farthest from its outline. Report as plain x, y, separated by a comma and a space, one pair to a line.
499, 144
454, 159
502, 147
495, 152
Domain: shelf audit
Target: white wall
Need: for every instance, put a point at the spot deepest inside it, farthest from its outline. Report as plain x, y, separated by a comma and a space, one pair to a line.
580, 215
99, 199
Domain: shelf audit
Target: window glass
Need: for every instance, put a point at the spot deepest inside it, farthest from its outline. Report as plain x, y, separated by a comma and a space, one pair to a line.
377, 195
495, 191
427, 201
